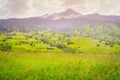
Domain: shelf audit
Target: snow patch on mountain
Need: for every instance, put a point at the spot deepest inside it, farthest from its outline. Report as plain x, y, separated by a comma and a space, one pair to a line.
67, 14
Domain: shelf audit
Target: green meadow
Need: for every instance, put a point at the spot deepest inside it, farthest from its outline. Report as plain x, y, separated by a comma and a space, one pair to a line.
54, 66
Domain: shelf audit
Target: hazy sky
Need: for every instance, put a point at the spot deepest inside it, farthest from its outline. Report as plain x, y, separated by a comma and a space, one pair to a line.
30, 8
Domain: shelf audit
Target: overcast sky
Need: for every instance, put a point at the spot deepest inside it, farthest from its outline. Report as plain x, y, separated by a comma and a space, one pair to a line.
31, 8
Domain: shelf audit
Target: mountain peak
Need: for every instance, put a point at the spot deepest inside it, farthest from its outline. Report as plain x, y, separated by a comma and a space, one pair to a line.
69, 10
67, 14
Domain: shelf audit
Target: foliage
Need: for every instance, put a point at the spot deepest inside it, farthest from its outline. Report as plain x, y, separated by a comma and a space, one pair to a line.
5, 46
88, 38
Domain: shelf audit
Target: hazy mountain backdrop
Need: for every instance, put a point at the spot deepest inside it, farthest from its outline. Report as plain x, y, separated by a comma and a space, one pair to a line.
63, 21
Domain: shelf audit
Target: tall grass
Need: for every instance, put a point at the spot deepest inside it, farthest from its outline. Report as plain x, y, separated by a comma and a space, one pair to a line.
28, 66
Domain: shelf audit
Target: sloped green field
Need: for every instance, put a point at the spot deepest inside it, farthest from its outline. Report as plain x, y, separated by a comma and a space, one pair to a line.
54, 43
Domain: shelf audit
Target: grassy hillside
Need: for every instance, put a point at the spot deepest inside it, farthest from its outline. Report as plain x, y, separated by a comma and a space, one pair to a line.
54, 42
104, 32
88, 52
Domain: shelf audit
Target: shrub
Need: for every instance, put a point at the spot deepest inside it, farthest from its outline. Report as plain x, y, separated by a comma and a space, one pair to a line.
70, 50
69, 42
97, 45
60, 46
44, 40
5, 47
50, 48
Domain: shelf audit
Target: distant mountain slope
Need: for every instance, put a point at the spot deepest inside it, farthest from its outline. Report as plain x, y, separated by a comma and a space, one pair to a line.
63, 21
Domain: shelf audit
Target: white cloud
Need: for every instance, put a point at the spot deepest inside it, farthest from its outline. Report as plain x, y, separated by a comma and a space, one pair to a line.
30, 8
111, 7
